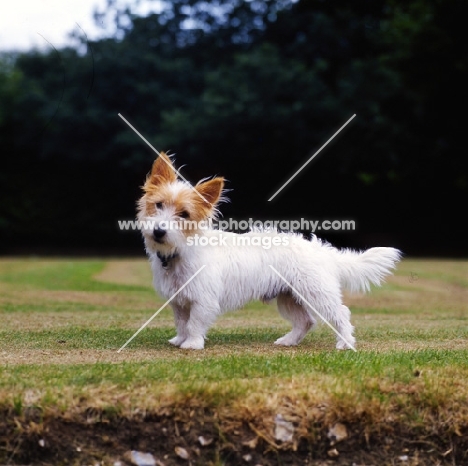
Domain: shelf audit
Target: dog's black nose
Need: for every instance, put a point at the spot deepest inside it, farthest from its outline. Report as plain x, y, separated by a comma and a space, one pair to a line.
158, 234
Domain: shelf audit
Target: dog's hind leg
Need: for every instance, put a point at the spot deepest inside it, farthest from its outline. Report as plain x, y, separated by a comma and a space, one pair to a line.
181, 317
342, 320
300, 319
322, 296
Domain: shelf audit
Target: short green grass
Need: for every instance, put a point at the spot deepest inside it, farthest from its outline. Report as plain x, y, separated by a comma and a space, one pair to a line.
64, 320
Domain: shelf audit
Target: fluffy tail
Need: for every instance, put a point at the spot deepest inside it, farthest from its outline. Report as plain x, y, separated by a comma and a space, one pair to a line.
359, 269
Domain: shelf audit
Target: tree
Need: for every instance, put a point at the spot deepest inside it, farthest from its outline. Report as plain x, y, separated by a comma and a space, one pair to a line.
247, 89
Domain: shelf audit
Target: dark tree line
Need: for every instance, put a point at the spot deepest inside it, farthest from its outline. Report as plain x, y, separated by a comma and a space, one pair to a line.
249, 90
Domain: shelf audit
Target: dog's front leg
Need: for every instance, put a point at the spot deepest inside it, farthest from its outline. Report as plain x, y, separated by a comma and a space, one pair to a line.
181, 317
202, 316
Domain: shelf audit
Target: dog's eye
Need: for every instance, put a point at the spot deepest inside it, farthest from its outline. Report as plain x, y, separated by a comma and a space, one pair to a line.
159, 205
184, 214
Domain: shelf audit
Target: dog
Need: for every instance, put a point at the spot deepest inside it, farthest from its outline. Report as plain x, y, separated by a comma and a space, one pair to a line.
206, 272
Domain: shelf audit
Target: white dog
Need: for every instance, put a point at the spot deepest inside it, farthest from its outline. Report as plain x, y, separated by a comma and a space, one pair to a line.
221, 271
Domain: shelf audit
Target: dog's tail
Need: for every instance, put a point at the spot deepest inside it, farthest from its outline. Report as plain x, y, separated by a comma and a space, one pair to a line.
358, 270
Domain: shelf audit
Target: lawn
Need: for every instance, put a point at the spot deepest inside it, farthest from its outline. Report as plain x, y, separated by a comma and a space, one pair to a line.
67, 396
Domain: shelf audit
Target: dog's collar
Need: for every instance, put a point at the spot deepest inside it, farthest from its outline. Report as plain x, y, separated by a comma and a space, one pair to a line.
167, 259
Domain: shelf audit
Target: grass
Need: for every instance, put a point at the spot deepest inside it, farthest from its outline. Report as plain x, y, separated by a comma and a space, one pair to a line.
64, 320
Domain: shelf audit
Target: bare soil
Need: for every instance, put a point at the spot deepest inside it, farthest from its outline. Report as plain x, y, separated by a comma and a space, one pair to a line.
96, 437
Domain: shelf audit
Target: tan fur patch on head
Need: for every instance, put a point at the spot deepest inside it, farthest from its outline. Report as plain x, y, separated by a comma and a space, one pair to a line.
187, 203
161, 172
210, 193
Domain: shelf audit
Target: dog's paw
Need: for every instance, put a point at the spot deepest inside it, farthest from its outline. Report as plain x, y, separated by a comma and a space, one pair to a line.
287, 340
177, 340
345, 345
193, 343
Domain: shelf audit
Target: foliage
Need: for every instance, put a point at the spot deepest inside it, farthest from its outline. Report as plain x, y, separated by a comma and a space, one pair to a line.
230, 85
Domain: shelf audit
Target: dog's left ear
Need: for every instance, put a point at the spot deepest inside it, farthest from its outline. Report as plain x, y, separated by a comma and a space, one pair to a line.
211, 190
162, 172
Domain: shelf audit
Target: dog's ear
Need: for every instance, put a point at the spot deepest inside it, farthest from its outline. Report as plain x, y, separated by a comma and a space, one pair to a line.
211, 190
162, 172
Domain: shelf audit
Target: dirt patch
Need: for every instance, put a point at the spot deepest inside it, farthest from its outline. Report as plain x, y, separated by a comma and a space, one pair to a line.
420, 295
92, 356
211, 437
59, 320
136, 272
44, 297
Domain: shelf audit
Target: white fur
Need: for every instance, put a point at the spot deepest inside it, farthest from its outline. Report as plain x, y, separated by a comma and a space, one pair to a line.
234, 275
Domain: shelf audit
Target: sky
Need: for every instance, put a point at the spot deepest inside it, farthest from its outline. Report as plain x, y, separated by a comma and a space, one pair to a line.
23, 22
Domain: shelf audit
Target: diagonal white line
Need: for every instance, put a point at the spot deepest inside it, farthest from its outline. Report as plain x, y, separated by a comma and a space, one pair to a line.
162, 307
303, 166
310, 305
149, 144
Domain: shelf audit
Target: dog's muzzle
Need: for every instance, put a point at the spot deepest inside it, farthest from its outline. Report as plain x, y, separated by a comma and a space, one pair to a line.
158, 235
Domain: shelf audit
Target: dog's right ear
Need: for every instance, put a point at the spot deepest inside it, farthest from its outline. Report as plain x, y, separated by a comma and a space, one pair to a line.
162, 172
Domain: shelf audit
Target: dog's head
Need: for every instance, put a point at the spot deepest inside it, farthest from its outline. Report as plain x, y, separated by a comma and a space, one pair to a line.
171, 209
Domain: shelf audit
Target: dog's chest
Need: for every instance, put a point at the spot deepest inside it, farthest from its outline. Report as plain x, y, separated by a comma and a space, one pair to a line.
167, 283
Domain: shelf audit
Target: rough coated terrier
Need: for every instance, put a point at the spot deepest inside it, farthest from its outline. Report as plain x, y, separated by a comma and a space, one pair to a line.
306, 277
